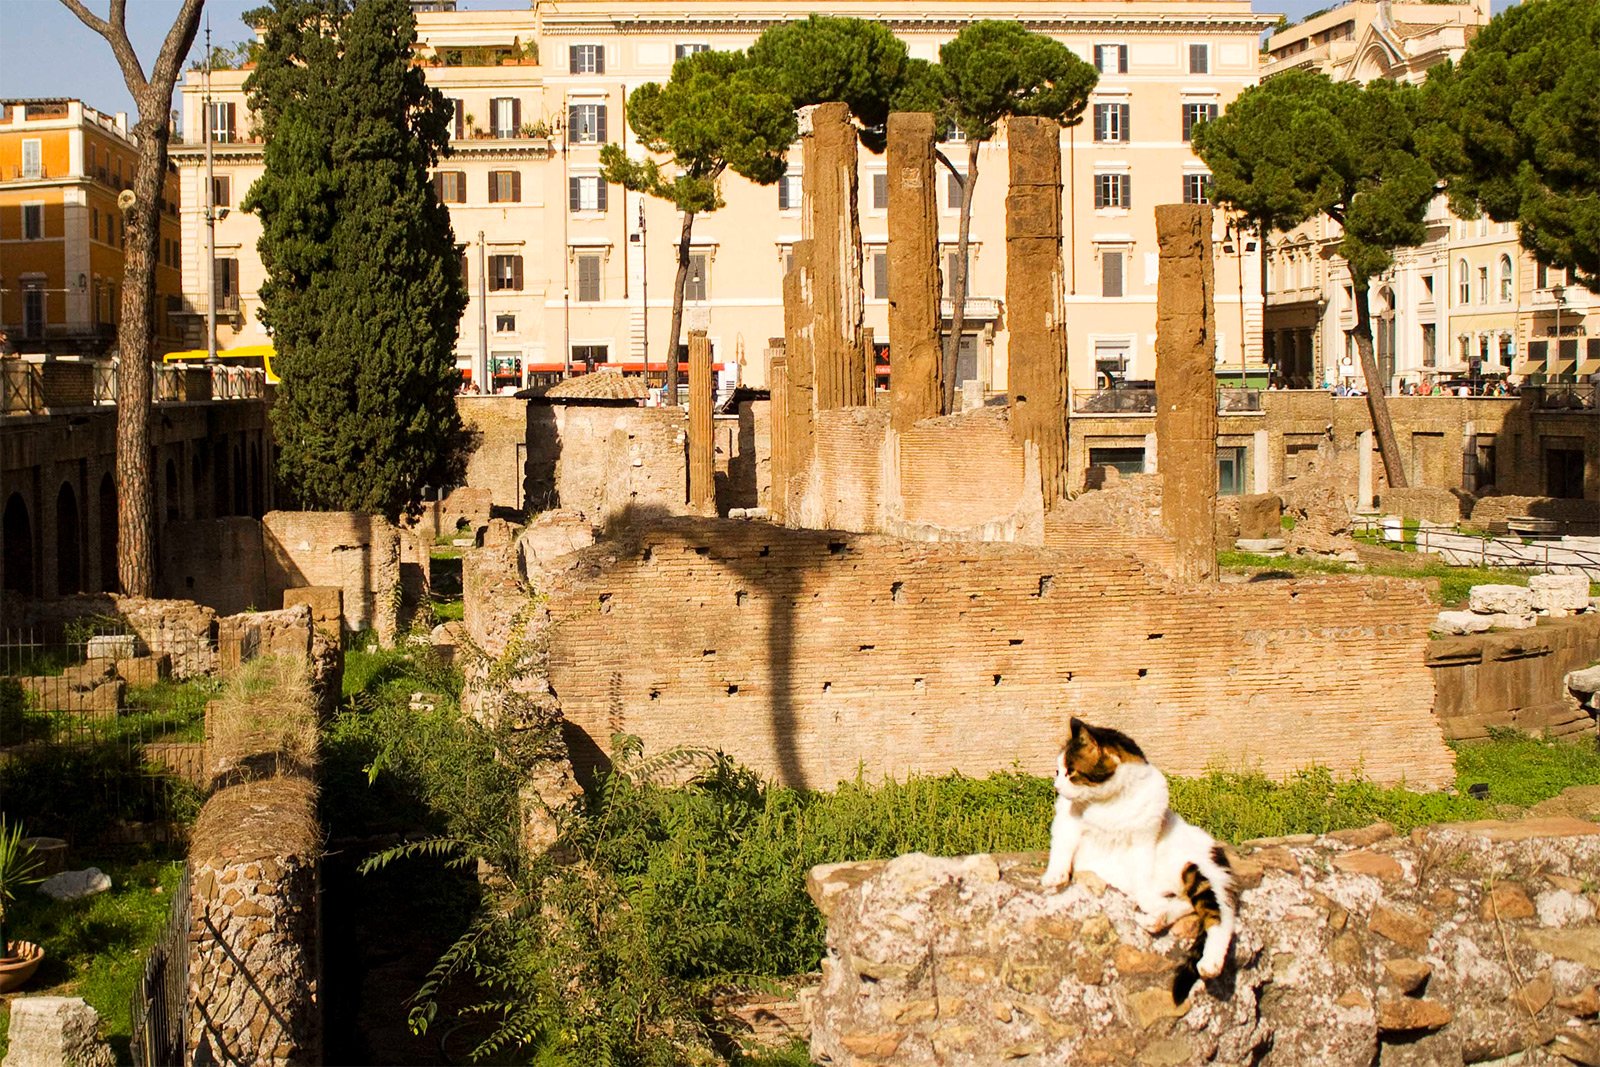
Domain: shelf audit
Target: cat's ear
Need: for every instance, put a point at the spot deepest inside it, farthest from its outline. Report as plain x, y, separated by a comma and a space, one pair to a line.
1078, 726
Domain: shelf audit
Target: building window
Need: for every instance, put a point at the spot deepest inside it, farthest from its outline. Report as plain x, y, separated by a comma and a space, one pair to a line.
222, 191
954, 133
1463, 284
458, 117
880, 274
222, 129
94, 225
505, 273
696, 285
880, 191
1111, 274
587, 59
1199, 59
952, 190
1111, 58
1110, 363
588, 266
33, 158
1111, 123
32, 222
1230, 470
505, 324
586, 192
1197, 188
1483, 285
1430, 344
1505, 279
586, 123
1113, 190
1196, 113
1427, 288
32, 311
789, 193
505, 116
1124, 460
505, 187
450, 186
590, 354
227, 278
679, 51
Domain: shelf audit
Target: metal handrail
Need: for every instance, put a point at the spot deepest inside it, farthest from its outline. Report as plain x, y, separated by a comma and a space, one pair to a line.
21, 387
1467, 550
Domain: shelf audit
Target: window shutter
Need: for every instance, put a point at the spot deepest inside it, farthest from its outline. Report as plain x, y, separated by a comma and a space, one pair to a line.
438, 185
1124, 111
572, 59
880, 191
572, 121
494, 187
464, 275
516, 187
516, 273
228, 120
1126, 181
1122, 59
600, 61
880, 275
574, 196
600, 194
600, 124
516, 116
460, 119
1111, 274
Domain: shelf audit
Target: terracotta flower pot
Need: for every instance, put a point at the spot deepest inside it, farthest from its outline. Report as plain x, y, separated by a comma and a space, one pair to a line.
17, 966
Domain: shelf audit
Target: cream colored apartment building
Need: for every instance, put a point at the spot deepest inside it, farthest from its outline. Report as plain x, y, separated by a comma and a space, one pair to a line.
1467, 301
566, 271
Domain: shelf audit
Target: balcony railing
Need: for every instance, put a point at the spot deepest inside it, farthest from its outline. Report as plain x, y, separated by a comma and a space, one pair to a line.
1575, 396
28, 387
1129, 400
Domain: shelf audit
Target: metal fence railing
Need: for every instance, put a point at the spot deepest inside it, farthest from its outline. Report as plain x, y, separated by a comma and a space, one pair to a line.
1573, 396
21, 387
1561, 554
158, 1007
25, 390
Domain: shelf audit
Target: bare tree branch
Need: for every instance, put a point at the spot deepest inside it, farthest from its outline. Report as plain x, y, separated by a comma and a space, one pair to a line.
115, 32
176, 46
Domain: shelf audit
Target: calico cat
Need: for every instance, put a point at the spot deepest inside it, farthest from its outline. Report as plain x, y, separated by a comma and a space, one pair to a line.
1112, 820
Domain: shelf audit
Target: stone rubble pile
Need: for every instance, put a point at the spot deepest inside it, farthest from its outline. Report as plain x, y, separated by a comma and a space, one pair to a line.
1585, 685
1514, 607
1456, 944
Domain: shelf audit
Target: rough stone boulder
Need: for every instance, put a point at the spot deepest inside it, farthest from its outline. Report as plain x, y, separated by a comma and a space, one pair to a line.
56, 1032
1500, 600
1458, 944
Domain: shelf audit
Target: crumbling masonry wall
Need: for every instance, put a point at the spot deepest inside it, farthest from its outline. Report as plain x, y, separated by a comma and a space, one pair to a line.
830, 223
1514, 680
808, 654
916, 386
1456, 944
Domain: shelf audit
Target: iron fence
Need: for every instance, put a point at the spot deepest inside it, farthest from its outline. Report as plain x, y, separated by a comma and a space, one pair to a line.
159, 1004
21, 387
1560, 554
1574, 396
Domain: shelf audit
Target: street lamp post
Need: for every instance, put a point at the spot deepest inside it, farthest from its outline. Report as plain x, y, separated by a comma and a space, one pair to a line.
644, 295
211, 215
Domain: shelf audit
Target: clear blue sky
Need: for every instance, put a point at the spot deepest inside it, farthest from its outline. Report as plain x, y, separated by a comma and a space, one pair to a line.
45, 51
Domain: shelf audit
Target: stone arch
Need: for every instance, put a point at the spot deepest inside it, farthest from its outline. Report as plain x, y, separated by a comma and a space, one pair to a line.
109, 582
174, 506
69, 542
17, 527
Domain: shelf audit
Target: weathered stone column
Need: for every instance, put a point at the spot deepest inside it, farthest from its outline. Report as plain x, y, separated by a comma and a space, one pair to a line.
778, 419
1035, 299
702, 467
799, 328
830, 223
916, 374
1186, 386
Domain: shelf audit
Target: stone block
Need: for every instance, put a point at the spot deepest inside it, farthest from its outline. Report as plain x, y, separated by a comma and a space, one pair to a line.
1586, 681
1507, 621
112, 646
1265, 546
73, 885
1554, 593
145, 670
1461, 622
1260, 516
55, 1032
326, 603
1500, 599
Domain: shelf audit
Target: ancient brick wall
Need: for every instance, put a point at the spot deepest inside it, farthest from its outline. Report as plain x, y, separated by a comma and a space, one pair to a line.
360, 554
1514, 680
219, 562
1471, 943
599, 459
808, 653
501, 428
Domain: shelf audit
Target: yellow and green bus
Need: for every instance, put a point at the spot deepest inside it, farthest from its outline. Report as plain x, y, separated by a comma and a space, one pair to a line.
258, 356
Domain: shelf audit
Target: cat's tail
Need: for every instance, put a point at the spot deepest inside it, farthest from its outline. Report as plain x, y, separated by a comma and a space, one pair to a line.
1208, 885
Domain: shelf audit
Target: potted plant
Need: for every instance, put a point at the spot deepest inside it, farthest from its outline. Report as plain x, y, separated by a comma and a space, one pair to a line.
18, 867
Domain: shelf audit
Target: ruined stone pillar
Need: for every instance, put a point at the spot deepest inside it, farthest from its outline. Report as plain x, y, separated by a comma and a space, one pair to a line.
830, 224
799, 329
702, 466
1035, 299
1186, 386
916, 375
778, 420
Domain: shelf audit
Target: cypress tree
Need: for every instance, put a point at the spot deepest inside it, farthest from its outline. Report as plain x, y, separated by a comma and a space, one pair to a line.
363, 292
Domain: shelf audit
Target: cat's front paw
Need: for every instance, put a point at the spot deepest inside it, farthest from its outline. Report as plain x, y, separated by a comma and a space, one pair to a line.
1152, 924
1052, 878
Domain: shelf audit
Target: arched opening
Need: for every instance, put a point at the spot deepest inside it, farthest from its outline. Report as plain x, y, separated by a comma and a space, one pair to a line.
108, 530
241, 487
1505, 279
69, 543
18, 545
174, 509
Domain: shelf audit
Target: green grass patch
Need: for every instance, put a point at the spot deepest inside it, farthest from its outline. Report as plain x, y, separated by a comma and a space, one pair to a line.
95, 947
1522, 771
1454, 582
1286, 522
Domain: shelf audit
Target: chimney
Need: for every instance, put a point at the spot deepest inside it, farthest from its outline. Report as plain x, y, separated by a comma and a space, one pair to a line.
122, 122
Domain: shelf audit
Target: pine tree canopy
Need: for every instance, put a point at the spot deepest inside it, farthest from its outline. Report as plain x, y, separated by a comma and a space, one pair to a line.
363, 293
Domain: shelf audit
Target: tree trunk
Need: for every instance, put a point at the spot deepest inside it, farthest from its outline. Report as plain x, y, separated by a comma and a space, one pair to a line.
678, 284
1377, 399
958, 281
